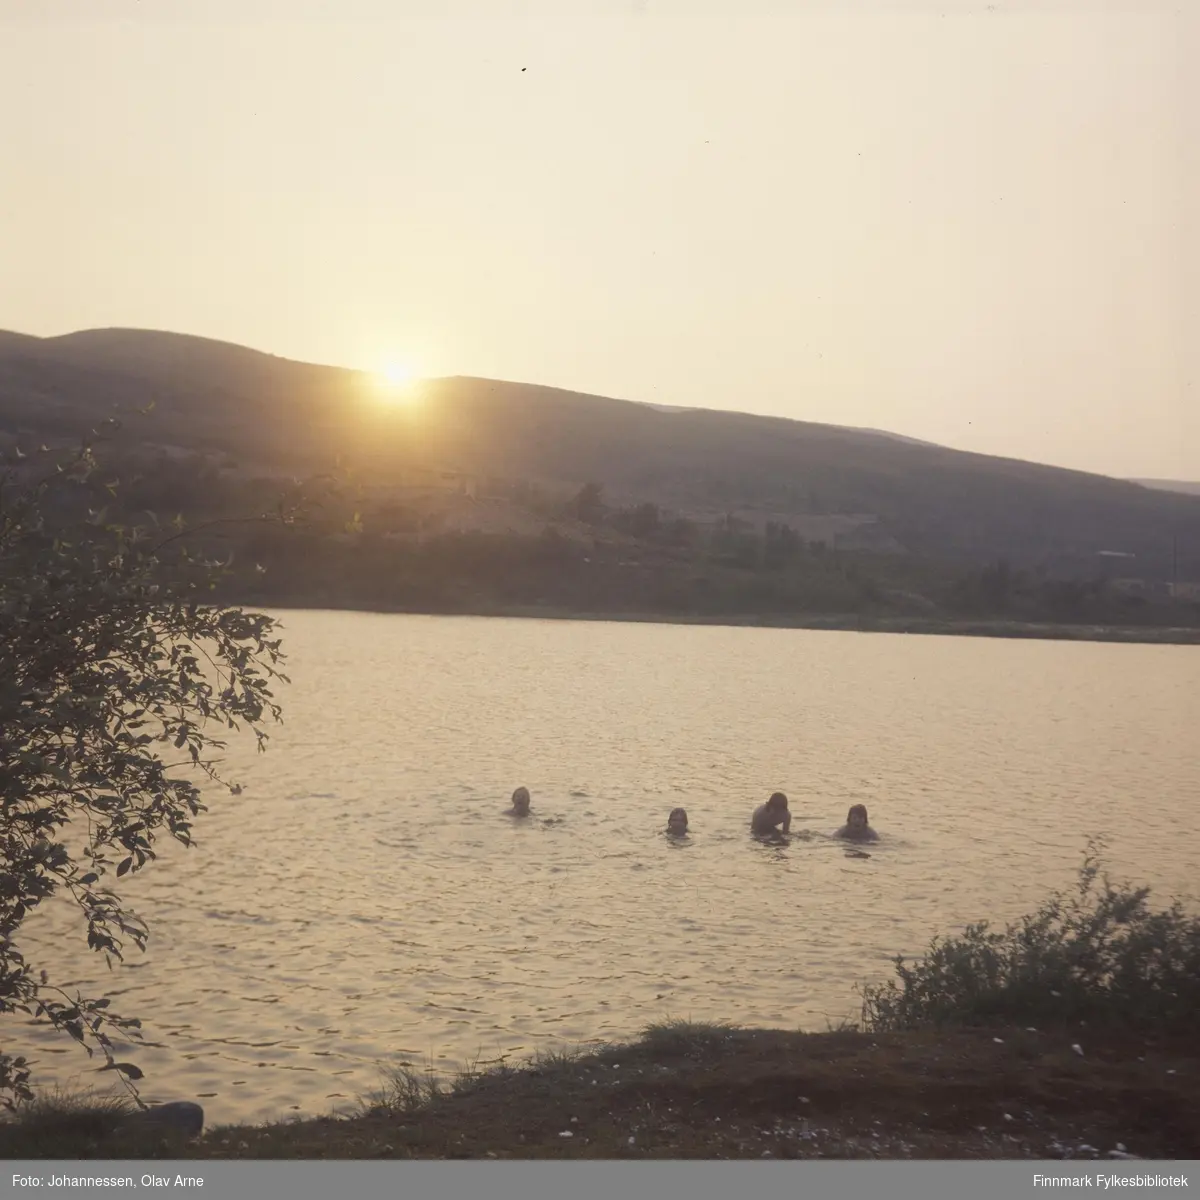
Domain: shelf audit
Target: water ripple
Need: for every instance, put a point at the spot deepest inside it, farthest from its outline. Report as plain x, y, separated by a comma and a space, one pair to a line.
367, 899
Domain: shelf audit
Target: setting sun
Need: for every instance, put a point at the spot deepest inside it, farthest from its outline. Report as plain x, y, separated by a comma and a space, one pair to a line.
396, 381
398, 374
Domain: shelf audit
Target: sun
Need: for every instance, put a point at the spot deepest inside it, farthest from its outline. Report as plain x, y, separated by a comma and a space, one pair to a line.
396, 382
398, 374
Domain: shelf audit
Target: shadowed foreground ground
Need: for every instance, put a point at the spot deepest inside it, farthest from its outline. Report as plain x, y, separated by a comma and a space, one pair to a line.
688, 1091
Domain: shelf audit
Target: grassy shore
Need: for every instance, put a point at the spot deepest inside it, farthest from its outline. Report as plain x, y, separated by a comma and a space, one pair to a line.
946, 626
712, 1092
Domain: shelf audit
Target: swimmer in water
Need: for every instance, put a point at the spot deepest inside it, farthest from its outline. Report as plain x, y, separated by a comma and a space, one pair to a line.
520, 803
768, 817
677, 823
857, 827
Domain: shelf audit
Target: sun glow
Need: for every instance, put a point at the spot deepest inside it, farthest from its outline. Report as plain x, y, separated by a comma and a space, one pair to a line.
398, 374
396, 381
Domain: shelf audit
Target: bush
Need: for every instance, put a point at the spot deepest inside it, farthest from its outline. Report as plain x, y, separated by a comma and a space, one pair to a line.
1099, 955
113, 660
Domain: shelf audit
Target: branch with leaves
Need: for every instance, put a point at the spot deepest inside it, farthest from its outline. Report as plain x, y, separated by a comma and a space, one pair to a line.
109, 658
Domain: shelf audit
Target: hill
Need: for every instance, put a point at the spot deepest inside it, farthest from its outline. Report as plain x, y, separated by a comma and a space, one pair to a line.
892, 493
1171, 485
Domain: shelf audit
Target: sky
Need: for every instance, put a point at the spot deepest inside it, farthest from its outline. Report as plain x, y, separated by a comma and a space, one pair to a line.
966, 222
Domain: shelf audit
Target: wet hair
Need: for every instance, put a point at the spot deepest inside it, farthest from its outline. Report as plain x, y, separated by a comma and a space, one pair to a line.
855, 811
777, 800
521, 795
677, 812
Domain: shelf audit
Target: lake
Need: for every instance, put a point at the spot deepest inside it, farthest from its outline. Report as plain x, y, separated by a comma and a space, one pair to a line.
366, 901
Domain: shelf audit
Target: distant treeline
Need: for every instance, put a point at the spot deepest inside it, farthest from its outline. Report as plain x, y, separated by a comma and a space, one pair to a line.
590, 555
758, 574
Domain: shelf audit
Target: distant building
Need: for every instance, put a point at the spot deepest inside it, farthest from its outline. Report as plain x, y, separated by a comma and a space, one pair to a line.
1181, 590
1140, 587
1131, 587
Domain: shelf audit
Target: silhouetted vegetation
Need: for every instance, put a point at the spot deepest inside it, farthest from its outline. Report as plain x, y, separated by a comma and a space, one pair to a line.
113, 661
635, 560
582, 553
1099, 956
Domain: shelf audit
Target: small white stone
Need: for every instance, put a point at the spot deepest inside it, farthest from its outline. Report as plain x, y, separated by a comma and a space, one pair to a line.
998, 1041
1171, 1071
632, 1141
1122, 1147
1077, 1048
566, 1133
1008, 1116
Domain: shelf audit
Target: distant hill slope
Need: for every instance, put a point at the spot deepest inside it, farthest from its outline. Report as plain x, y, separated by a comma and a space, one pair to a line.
932, 500
1170, 485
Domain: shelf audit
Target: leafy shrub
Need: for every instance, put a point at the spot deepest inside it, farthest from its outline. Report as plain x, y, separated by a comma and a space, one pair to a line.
1099, 954
113, 660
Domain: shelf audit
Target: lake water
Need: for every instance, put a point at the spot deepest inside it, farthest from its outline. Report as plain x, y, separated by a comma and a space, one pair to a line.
366, 901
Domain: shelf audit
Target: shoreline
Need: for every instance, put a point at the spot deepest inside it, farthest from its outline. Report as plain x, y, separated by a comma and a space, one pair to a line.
923, 626
702, 1091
